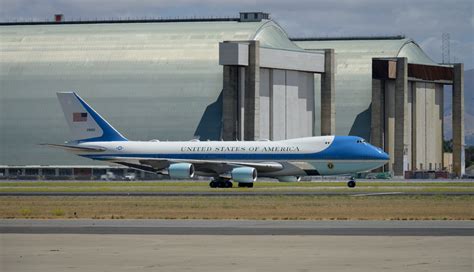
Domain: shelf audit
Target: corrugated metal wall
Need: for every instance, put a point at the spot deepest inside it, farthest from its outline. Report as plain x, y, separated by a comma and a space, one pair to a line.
150, 80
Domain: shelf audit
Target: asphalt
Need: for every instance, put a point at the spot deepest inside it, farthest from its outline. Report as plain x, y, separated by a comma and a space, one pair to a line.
234, 193
239, 227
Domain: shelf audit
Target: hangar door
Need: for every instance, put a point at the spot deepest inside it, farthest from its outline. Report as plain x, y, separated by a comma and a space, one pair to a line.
286, 104
423, 126
428, 125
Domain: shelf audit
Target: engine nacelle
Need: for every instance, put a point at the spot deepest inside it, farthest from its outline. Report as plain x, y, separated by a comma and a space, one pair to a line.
289, 179
244, 174
181, 170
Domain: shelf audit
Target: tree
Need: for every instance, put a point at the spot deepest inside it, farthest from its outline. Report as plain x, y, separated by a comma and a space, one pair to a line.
448, 146
469, 155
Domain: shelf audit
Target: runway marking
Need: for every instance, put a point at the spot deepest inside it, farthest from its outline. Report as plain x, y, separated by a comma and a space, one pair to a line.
379, 194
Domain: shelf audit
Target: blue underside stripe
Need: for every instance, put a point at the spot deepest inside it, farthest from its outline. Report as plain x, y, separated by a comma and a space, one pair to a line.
207, 156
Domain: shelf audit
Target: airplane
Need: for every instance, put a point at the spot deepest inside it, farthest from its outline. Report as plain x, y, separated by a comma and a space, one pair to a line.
223, 161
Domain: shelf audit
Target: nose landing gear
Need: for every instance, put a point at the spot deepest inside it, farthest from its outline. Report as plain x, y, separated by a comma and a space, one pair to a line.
351, 183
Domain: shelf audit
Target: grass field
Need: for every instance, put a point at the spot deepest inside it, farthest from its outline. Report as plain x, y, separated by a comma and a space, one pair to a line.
242, 207
350, 207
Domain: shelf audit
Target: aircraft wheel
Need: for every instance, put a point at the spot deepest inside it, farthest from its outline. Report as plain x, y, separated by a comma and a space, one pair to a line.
351, 183
247, 185
220, 183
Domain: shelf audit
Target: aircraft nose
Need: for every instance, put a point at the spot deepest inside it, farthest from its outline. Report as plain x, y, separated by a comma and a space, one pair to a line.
379, 154
384, 156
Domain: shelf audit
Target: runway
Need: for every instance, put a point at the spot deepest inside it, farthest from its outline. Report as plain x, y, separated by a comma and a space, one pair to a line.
234, 193
239, 227
235, 245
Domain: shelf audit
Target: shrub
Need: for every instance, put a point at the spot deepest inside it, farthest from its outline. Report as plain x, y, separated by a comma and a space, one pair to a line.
25, 212
58, 212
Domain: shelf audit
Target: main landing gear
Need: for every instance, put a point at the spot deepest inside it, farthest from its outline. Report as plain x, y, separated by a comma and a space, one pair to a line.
221, 183
351, 183
226, 183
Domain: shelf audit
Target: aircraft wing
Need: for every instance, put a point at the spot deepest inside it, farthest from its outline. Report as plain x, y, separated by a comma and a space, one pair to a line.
207, 166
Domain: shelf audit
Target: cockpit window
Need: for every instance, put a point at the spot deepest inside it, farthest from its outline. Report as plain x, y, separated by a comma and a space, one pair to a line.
361, 141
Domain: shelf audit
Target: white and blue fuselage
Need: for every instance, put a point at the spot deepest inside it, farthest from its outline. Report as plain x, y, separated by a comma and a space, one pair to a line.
241, 161
324, 155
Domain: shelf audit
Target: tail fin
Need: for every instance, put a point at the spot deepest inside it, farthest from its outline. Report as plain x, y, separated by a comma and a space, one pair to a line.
85, 123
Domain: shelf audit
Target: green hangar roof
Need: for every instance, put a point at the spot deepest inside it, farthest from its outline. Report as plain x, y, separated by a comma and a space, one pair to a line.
150, 80
372, 47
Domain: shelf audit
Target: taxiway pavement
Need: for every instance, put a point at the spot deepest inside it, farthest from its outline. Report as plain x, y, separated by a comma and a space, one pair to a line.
246, 193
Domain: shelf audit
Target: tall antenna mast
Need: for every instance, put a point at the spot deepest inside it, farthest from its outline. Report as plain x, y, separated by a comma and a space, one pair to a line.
445, 41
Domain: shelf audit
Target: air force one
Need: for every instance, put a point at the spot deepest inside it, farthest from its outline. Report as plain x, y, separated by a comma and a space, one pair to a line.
224, 161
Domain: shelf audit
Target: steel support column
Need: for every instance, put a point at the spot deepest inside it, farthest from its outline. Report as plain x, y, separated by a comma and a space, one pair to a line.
252, 94
458, 120
328, 93
401, 89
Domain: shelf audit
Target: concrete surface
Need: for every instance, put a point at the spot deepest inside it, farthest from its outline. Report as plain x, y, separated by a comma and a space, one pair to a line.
75, 252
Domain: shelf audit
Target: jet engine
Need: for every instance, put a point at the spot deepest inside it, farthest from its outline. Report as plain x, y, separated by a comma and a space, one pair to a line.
181, 171
289, 179
244, 174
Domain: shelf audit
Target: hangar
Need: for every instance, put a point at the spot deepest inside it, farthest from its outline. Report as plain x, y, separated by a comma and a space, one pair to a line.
389, 91
214, 78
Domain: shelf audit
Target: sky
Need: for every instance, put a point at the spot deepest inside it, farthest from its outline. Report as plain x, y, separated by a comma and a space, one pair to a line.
422, 20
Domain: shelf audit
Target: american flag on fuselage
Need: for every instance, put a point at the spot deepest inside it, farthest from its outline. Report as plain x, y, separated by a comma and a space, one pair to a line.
79, 117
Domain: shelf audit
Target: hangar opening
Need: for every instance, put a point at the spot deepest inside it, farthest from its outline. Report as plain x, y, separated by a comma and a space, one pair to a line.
268, 93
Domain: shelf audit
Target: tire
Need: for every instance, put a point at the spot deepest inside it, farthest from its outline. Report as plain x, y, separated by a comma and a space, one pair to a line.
213, 184
351, 184
228, 184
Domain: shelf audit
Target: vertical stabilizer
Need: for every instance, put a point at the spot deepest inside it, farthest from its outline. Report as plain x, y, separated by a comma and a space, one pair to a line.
85, 123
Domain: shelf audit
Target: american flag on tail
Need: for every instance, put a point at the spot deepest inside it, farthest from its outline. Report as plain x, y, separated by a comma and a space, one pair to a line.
79, 117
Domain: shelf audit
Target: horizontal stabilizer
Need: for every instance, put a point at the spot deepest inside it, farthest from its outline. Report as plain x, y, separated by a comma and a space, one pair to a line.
76, 148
